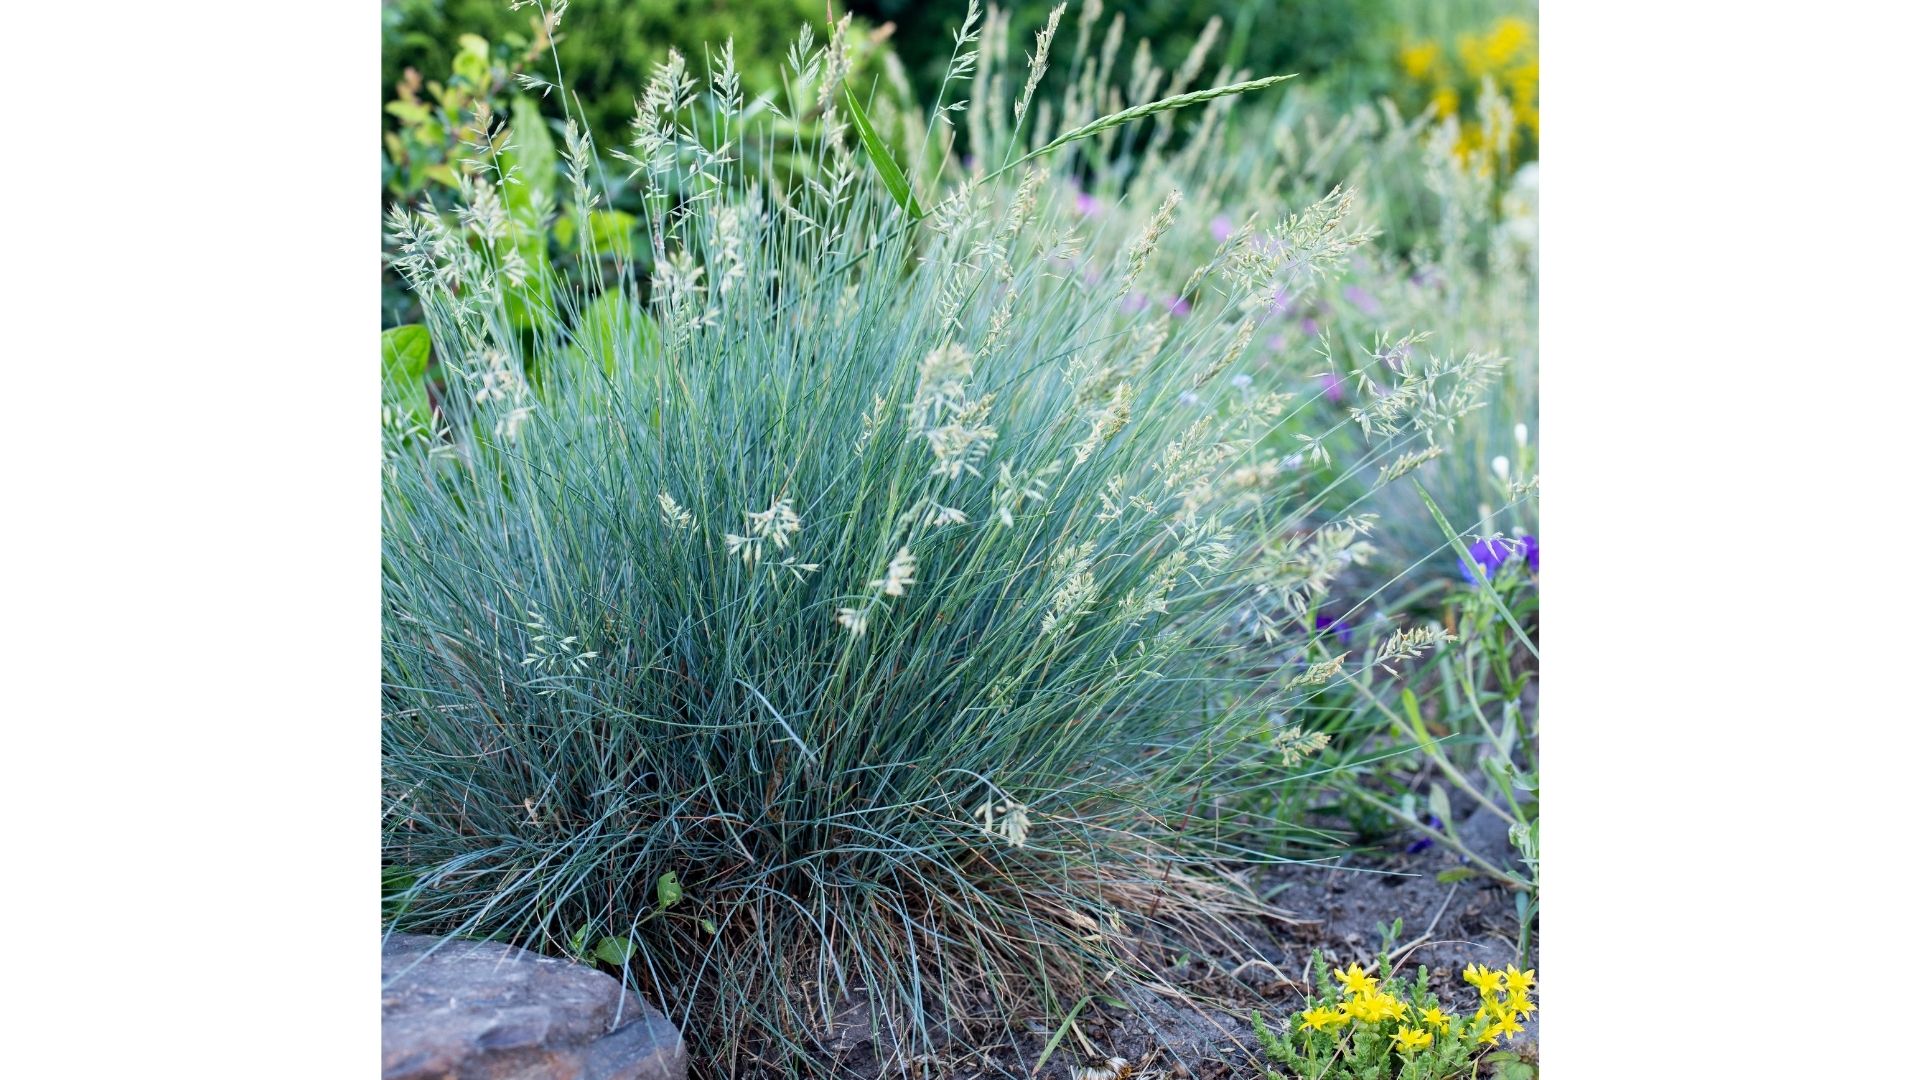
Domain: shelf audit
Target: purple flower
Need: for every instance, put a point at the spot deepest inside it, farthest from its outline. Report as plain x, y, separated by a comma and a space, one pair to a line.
1222, 227
1361, 299
1425, 842
1491, 554
1330, 384
1310, 326
1086, 204
1282, 302
1134, 303
1179, 306
1341, 628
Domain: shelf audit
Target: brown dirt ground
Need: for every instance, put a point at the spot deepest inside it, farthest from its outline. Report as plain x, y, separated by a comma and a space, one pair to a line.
1197, 1028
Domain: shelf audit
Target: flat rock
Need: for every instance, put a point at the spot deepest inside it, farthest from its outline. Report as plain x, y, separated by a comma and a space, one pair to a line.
479, 1010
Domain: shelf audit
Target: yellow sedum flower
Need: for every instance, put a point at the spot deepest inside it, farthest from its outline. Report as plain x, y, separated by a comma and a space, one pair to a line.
1407, 1040
1519, 981
1506, 1025
1365, 1008
1519, 1005
1355, 980
1434, 1017
1322, 1019
1488, 982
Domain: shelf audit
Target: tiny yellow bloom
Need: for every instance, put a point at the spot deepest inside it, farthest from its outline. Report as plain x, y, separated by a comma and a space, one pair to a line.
1519, 1005
1365, 1007
1519, 981
1322, 1019
1489, 1036
1479, 976
1410, 1039
1506, 1025
1355, 980
1393, 1006
1432, 1015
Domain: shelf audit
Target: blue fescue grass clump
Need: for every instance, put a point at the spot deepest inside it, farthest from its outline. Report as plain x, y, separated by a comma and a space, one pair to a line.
842, 605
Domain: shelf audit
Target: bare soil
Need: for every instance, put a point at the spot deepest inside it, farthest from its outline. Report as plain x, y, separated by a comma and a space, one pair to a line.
1197, 1025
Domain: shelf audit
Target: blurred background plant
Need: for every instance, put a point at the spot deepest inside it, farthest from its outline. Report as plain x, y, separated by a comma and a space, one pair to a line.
607, 48
1449, 72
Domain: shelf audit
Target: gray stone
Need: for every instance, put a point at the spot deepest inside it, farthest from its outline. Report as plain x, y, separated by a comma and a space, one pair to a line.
477, 1010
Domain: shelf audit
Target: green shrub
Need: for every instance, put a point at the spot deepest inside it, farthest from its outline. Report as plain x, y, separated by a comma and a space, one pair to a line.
607, 48
1347, 44
855, 606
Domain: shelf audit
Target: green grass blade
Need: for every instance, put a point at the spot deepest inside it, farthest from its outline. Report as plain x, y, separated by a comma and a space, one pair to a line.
1054, 1043
882, 158
1127, 116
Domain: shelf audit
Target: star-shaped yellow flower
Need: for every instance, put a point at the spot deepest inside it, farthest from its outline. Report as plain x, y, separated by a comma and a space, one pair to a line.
1479, 976
1355, 980
1506, 1025
1410, 1039
1368, 1006
1322, 1019
1519, 981
1518, 1004
1432, 1015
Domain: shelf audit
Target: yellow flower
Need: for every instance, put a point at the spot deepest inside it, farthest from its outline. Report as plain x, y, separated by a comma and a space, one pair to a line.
1418, 61
1518, 1005
1355, 980
1505, 41
1393, 1006
1410, 1039
1432, 1015
1322, 1019
1446, 102
1365, 1007
1505, 1026
1489, 1036
1519, 981
1479, 976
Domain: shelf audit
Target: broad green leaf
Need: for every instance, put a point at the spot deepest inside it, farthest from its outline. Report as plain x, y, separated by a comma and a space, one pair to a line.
405, 352
612, 232
395, 881
530, 304
616, 331
615, 950
474, 62
667, 889
882, 158
530, 158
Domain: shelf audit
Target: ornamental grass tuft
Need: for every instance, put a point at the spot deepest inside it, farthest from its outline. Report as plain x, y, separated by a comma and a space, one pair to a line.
841, 601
